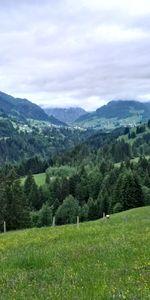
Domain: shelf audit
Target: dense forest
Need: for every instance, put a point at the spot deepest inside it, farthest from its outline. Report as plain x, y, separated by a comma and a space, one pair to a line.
104, 173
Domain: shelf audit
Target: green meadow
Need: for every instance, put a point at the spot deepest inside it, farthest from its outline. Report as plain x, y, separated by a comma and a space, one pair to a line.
100, 260
62, 171
39, 179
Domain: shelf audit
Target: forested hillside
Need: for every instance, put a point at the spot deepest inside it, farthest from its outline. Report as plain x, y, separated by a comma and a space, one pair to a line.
23, 109
20, 141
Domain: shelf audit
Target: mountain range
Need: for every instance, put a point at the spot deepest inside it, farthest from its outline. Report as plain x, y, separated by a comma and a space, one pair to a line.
67, 115
22, 109
110, 116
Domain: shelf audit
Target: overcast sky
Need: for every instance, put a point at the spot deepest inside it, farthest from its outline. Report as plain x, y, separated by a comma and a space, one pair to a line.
75, 53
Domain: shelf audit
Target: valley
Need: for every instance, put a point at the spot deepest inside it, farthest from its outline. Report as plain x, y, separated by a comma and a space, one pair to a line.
74, 150
53, 174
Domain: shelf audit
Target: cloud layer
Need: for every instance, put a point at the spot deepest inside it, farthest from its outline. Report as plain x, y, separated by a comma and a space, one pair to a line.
67, 52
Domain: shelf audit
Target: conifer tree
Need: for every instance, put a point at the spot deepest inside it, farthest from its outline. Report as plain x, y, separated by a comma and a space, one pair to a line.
128, 191
47, 179
64, 188
14, 209
92, 211
28, 184
34, 197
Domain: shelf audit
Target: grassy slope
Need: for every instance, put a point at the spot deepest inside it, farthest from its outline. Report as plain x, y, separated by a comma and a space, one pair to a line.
131, 141
65, 171
105, 259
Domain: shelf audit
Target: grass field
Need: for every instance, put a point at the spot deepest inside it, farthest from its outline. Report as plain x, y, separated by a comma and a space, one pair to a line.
39, 179
105, 259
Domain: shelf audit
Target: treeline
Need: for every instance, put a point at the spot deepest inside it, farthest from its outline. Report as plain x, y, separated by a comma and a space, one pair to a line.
95, 188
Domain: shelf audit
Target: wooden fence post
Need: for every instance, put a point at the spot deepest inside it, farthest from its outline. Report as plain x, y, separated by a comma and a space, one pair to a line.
78, 221
53, 224
4, 226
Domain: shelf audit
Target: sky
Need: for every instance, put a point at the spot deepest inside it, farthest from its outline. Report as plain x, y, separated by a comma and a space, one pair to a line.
62, 53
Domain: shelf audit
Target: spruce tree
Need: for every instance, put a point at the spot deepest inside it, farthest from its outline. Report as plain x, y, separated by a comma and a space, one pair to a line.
92, 211
128, 191
64, 188
34, 197
32, 193
14, 210
28, 184
47, 179
103, 202
19, 210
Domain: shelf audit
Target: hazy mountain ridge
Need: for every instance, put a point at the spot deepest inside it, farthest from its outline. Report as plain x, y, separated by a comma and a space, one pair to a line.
67, 115
23, 109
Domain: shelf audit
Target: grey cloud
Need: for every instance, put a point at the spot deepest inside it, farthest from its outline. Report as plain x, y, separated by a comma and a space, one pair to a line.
52, 51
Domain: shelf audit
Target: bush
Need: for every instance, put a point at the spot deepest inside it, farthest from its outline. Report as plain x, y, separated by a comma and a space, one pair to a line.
43, 217
68, 211
84, 211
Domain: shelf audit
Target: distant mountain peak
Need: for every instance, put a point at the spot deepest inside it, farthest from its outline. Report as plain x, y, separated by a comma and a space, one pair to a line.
66, 114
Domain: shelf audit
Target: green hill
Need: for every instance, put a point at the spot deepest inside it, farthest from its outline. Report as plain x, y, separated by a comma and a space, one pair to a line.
133, 136
116, 114
22, 109
105, 259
